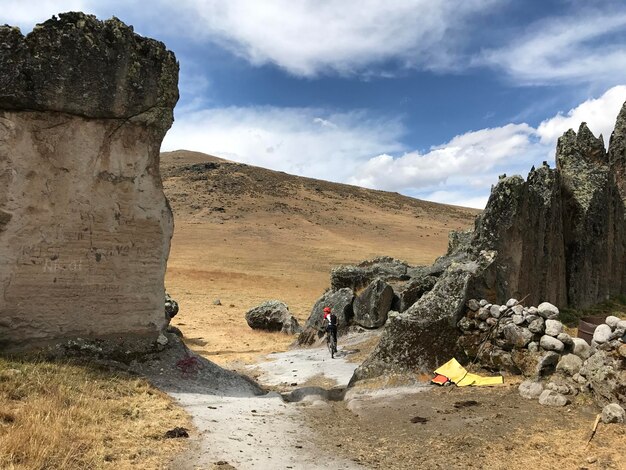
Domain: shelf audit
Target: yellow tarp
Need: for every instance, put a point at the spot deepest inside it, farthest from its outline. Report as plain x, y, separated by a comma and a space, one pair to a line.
462, 378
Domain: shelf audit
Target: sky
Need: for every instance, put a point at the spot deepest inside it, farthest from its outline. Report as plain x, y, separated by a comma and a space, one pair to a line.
429, 98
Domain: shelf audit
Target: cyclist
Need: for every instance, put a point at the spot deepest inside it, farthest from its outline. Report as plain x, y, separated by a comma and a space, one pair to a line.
330, 323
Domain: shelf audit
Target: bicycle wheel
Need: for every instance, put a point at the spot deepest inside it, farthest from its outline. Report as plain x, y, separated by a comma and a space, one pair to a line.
332, 346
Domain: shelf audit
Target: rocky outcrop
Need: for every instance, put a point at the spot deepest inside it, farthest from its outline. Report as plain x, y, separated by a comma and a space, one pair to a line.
84, 225
558, 236
372, 305
362, 295
425, 335
273, 315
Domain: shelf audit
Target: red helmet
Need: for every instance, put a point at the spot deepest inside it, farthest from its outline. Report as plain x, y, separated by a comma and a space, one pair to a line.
326, 309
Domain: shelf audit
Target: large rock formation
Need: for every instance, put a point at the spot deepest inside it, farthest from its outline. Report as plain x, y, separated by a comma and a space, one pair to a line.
559, 236
84, 225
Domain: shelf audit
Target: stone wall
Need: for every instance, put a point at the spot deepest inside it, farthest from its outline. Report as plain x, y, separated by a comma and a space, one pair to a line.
85, 227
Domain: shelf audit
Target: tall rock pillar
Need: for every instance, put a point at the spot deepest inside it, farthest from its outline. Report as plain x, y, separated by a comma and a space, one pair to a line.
85, 227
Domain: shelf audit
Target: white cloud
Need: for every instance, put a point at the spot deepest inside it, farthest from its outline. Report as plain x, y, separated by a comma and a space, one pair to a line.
599, 114
468, 155
295, 140
312, 37
587, 47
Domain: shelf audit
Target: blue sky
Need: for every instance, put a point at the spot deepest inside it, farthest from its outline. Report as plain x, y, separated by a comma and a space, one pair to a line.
429, 98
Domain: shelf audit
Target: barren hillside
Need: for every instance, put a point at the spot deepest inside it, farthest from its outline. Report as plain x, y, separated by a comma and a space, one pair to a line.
245, 234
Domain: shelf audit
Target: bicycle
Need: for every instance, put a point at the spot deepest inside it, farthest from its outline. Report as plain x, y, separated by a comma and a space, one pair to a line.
331, 344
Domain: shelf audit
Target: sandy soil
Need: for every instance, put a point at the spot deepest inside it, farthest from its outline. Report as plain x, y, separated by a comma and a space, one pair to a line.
489, 427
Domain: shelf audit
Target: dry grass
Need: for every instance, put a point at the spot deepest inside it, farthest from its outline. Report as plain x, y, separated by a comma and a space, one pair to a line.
56, 415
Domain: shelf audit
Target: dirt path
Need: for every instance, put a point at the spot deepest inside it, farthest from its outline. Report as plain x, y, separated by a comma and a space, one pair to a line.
250, 431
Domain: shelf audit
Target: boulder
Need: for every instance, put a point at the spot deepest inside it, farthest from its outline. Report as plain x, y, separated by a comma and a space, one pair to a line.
495, 311
553, 328
516, 336
602, 333
359, 276
473, 304
483, 314
85, 227
552, 398
613, 413
340, 303
273, 315
565, 339
569, 364
372, 305
530, 389
551, 344
547, 311
425, 336
612, 321
537, 325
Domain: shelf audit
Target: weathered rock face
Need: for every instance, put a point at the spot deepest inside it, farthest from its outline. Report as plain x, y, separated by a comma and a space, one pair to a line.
559, 236
521, 220
84, 225
357, 277
409, 292
372, 305
594, 229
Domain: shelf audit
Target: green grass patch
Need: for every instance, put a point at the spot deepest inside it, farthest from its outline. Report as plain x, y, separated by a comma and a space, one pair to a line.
615, 306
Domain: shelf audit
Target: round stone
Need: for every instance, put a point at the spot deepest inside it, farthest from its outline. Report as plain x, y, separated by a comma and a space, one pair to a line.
536, 325
613, 413
495, 311
553, 327
511, 302
602, 333
530, 389
612, 321
581, 348
569, 364
547, 310
551, 398
550, 343
565, 339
